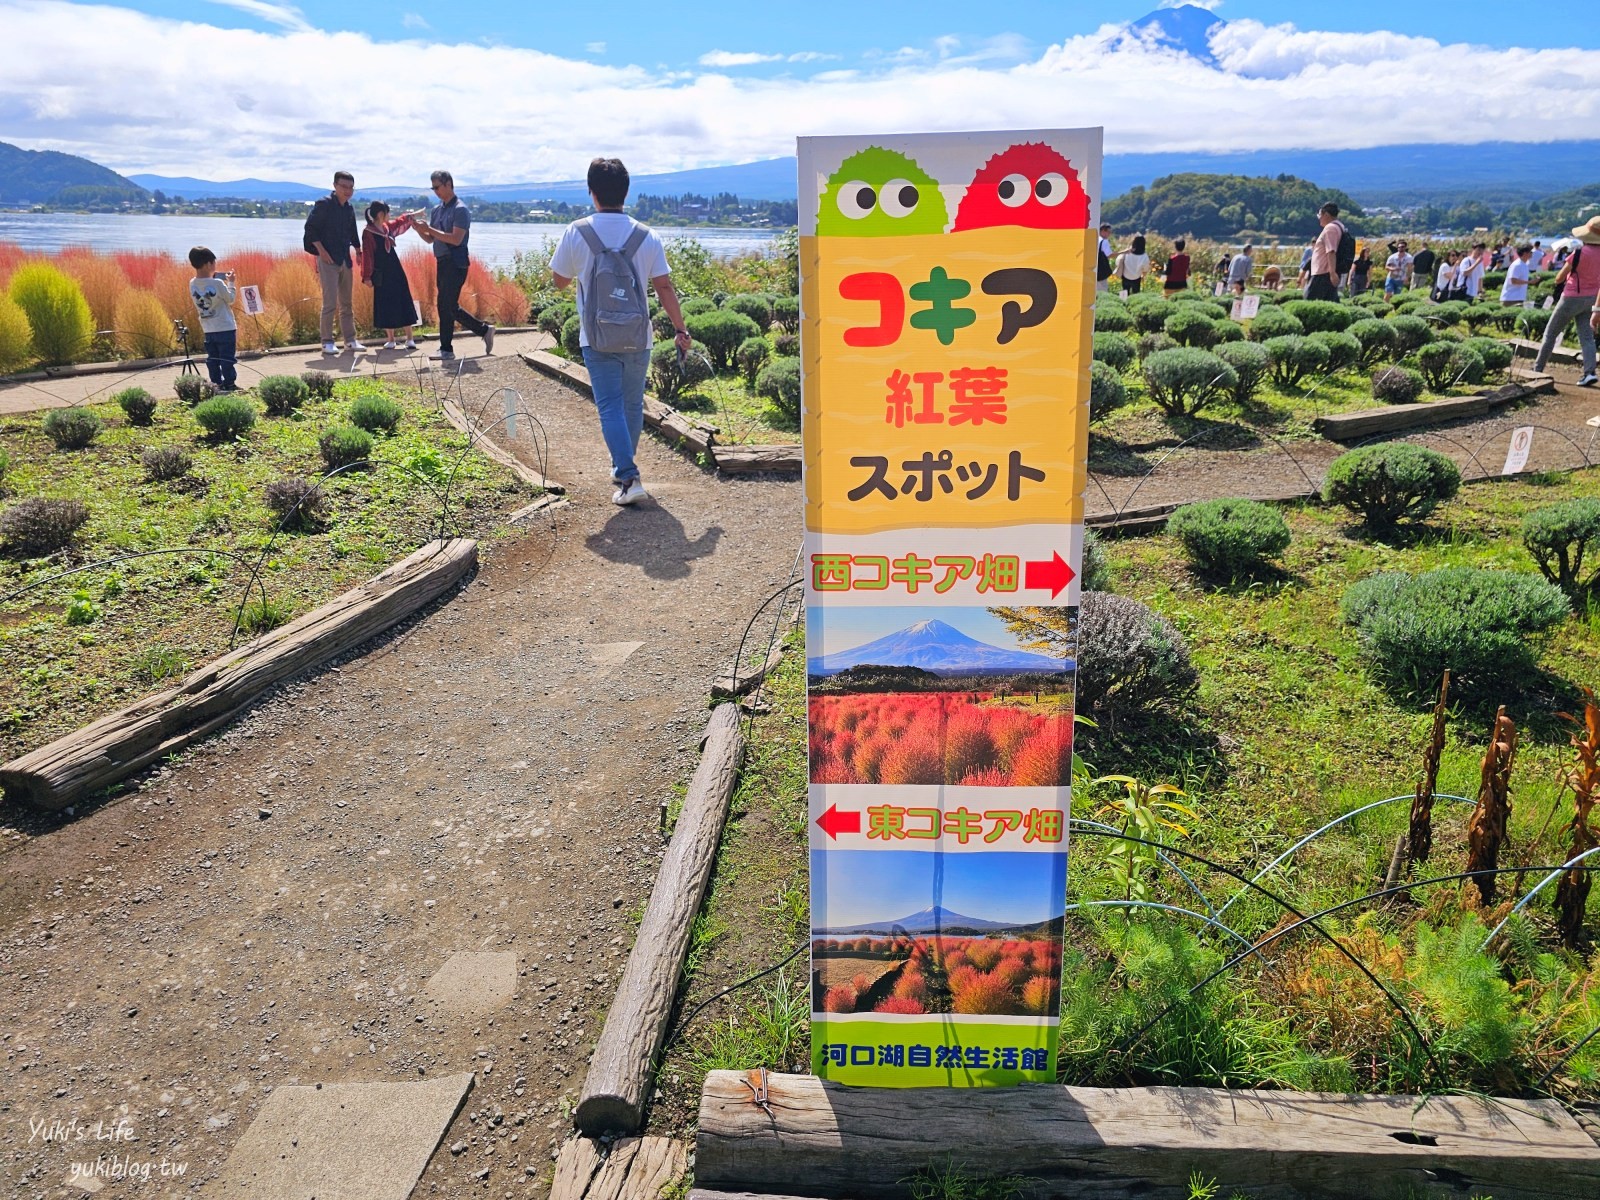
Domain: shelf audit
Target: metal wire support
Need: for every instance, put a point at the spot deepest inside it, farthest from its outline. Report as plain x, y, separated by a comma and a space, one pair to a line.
1539, 887
1171, 908
1086, 823
109, 562
1210, 431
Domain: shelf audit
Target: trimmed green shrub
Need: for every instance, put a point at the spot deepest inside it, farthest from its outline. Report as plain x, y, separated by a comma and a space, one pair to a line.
1130, 660
1496, 355
342, 445
1293, 358
297, 503
1149, 343
786, 345
1096, 575
1184, 380
1532, 321
138, 405
1106, 389
693, 305
1504, 319
553, 320
1114, 349
1228, 330
1321, 316
1560, 537
191, 389
1373, 302
758, 308
1446, 314
1269, 323
1250, 363
661, 325
1203, 303
1191, 326
1444, 364
1483, 626
1152, 313
668, 379
572, 337
1377, 339
779, 381
1230, 537
1391, 482
58, 315
375, 414
165, 463
1398, 385
319, 385
786, 312
1467, 366
282, 394
1479, 315
721, 332
1343, 350
35, 528
752, 352
72, 428
16, 335
1112, 317
225, 417
1413, 332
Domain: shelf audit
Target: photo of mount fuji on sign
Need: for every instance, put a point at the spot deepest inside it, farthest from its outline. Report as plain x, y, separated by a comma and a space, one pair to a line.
939, 648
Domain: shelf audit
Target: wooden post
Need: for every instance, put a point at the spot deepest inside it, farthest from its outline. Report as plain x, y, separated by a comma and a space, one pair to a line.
822, 1139
624, 1059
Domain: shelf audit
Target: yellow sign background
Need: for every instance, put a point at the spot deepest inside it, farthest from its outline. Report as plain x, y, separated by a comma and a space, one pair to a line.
845, 388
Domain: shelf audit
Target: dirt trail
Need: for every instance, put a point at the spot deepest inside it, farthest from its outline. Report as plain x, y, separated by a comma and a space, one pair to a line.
488, 778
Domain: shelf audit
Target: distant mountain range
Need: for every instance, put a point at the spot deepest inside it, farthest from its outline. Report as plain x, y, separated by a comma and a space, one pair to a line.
936, 647
929, 920
48, 176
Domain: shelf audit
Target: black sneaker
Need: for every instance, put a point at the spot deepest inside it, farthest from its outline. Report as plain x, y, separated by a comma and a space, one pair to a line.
488, 339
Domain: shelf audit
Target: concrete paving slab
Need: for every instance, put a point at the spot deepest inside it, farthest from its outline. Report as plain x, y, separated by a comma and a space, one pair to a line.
474, 982
342, 1141
612, 654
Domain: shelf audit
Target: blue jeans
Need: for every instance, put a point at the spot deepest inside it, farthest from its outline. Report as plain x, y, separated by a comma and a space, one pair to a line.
618, 383
221, 354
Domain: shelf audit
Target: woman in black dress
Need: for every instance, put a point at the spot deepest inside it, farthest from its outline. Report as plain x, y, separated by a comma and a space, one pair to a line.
392, 307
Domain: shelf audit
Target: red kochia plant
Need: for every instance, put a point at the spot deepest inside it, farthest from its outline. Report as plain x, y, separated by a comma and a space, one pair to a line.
898, 1004
841, 999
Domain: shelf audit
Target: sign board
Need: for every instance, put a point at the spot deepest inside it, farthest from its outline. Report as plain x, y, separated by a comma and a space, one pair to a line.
1517, 453
947, 284
1246, 307
250, 295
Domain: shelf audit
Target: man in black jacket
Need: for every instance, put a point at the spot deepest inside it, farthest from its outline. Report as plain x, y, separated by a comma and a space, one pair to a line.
331, 236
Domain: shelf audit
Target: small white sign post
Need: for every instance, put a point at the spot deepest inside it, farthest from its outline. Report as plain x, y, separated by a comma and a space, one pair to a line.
1246, 307
250, 295
1517, 452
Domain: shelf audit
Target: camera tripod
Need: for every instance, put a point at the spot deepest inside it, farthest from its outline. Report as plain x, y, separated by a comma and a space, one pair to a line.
188, 366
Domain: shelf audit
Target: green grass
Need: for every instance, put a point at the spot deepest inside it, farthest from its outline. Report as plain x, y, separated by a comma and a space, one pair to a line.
738, 413
155, 617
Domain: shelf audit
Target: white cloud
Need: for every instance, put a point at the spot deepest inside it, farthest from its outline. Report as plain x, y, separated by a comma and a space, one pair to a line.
728, 58
413, 20
294, 112
595, 47
810, 56
285, 15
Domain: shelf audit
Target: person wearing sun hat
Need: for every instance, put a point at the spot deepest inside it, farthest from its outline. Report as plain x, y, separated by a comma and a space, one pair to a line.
1577, 290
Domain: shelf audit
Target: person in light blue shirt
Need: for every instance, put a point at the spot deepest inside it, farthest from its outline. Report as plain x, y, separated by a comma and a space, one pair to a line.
447, 229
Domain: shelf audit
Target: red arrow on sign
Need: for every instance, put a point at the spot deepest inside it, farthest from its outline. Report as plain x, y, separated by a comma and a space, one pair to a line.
1052, 573
834, 822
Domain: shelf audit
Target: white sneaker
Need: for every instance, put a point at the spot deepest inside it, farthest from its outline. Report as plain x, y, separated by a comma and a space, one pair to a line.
390, 345
330, 350
411, 343
488, 340
355, 346
630, 493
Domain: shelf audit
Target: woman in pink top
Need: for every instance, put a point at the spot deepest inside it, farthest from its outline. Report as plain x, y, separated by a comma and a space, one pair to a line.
1577, 286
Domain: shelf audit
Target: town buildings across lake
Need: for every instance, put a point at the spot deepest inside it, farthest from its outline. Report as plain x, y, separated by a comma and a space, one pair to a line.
494, 244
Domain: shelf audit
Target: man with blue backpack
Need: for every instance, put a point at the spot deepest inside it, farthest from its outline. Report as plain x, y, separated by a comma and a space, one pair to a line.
611, 256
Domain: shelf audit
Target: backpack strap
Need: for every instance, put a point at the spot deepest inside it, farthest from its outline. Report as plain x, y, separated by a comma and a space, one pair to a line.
586, 231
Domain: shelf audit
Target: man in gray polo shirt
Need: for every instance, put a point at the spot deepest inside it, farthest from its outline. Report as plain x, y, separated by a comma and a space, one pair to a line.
1239, 270
446, 230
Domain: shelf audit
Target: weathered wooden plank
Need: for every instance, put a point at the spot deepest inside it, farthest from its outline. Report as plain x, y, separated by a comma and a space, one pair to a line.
576, 1166
695, 436
486, 445
739, 685
1562, 354
753, 460
120, 743
1344, 427
1534, 382
620, 1070
1118, 1143
639, 1168
542, 504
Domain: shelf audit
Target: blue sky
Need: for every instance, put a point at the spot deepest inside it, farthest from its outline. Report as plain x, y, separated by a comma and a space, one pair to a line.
861, 886
839, 628
650, 34
223, 89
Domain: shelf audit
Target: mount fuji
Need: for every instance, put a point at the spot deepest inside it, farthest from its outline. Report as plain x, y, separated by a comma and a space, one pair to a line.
934, 646
929, 920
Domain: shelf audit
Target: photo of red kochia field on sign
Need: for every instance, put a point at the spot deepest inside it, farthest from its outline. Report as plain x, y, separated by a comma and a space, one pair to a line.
937, 696
940, 958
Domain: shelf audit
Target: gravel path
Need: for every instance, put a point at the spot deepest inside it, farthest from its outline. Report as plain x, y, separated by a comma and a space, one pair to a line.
488, 778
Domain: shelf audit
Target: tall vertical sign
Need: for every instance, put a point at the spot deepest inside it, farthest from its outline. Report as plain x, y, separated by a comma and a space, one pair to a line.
947, 282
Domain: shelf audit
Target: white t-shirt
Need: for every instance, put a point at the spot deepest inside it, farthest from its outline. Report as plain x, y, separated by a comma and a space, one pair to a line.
572, 256
1398, 266
1446, 279
1135, 266
1515, 289
1470, 273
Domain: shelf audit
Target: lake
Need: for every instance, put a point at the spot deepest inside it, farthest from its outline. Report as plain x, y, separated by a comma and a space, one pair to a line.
493, 243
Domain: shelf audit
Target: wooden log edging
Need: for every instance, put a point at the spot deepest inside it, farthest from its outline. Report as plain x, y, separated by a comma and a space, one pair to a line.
121, 743
624, 1060
1391, 418
635, 1168
823, 1140
487, 446
693, 437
